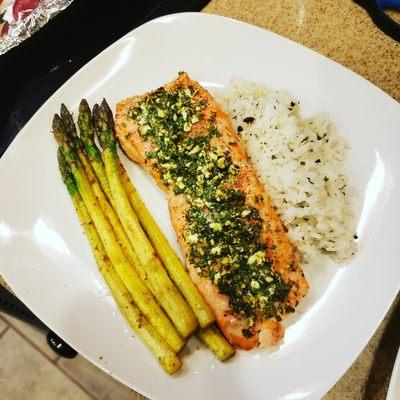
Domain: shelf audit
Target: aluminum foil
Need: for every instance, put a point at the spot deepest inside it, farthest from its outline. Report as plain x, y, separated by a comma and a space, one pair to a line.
21, 18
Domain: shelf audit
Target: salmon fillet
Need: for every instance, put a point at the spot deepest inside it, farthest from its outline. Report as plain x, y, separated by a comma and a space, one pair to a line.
140, 134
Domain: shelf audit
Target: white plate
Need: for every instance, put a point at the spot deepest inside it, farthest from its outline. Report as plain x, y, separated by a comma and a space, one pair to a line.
47, 261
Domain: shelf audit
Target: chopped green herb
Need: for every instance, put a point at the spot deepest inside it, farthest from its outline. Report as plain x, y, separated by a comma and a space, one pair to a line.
246, 333
248, 120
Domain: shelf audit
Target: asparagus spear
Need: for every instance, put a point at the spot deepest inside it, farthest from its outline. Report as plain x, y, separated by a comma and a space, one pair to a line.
128, 274
172, 263
138, 322
91, 150
217, 343
152, 272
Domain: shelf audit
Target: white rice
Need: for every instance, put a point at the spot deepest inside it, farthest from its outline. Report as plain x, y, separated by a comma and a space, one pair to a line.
300, 162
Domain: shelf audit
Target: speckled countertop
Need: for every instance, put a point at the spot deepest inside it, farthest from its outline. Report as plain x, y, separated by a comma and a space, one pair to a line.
342, 31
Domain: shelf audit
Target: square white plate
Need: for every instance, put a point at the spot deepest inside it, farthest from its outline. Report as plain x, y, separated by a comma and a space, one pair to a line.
47, 261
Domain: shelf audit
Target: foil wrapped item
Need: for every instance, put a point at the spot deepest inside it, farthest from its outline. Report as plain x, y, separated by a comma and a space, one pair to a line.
19, 19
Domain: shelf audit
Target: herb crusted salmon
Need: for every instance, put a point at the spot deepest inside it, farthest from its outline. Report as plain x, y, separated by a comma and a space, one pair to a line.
236, 249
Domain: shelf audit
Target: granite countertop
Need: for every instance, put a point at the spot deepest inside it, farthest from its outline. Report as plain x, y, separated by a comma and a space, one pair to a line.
340, 30
344, 32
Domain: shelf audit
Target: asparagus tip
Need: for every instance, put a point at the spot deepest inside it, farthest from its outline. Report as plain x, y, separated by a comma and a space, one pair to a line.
85, 120
107, 115
96, 109
105, 105
60, 131
84, 107
68, 120
64, 110
58, 128
96, 117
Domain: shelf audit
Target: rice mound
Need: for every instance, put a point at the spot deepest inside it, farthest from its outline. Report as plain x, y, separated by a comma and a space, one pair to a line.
300, 162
